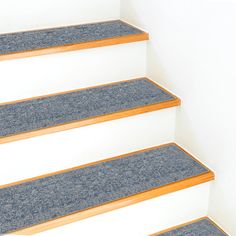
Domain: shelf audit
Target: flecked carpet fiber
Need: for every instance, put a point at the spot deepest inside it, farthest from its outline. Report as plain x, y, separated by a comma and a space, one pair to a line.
48, 198
201, 228
75, 106
41, 39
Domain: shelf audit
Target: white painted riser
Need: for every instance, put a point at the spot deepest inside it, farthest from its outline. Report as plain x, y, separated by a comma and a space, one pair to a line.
45, 154
144, 218
42, 75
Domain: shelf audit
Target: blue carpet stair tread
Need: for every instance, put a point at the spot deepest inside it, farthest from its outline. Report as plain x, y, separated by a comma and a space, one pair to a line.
204, 227
60, 109
47, 38
48, 198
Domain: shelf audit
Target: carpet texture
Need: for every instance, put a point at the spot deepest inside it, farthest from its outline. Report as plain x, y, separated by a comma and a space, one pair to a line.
201, 228
56, 110
48, 198
41, 39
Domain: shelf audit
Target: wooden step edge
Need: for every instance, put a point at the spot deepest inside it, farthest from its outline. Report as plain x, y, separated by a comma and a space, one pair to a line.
79, 46
190, 222
193, 181
92, 120
123, 202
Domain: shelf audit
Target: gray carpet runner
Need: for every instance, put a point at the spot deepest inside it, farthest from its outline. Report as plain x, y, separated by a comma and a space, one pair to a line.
56, 110
47, 38
45, 199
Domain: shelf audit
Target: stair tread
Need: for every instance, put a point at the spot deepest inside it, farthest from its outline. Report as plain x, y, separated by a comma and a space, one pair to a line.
34, 202
200, 227
19, 42
52, 111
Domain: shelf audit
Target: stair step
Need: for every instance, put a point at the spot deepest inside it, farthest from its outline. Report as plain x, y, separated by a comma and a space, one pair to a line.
33, 117
60, 198
46, 41
203, 226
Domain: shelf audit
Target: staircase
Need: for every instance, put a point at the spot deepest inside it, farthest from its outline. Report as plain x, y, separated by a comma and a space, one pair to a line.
86, 147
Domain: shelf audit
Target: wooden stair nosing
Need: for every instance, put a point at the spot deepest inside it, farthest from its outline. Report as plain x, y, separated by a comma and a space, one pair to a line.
123, 202
91, 120
75, 47
117, 204
142, 36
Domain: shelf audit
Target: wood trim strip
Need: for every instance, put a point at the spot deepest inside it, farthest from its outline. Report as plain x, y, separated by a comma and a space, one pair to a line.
185, 224
92, 120
79, 46
123, 202
216, 225
117, 204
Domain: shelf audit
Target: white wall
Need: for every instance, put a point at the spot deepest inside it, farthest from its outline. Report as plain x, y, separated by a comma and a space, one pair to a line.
192, 52
27, 14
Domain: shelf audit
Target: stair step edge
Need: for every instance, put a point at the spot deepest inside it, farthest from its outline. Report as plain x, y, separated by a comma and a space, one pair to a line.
147, 174
53, 113
68, 38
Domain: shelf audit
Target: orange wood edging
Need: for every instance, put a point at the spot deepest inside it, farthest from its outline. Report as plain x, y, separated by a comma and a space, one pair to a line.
123, 202
89, 121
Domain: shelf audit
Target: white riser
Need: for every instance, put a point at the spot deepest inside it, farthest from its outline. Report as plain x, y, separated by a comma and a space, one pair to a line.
144, 218
36, 76
58, 151
28, 14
